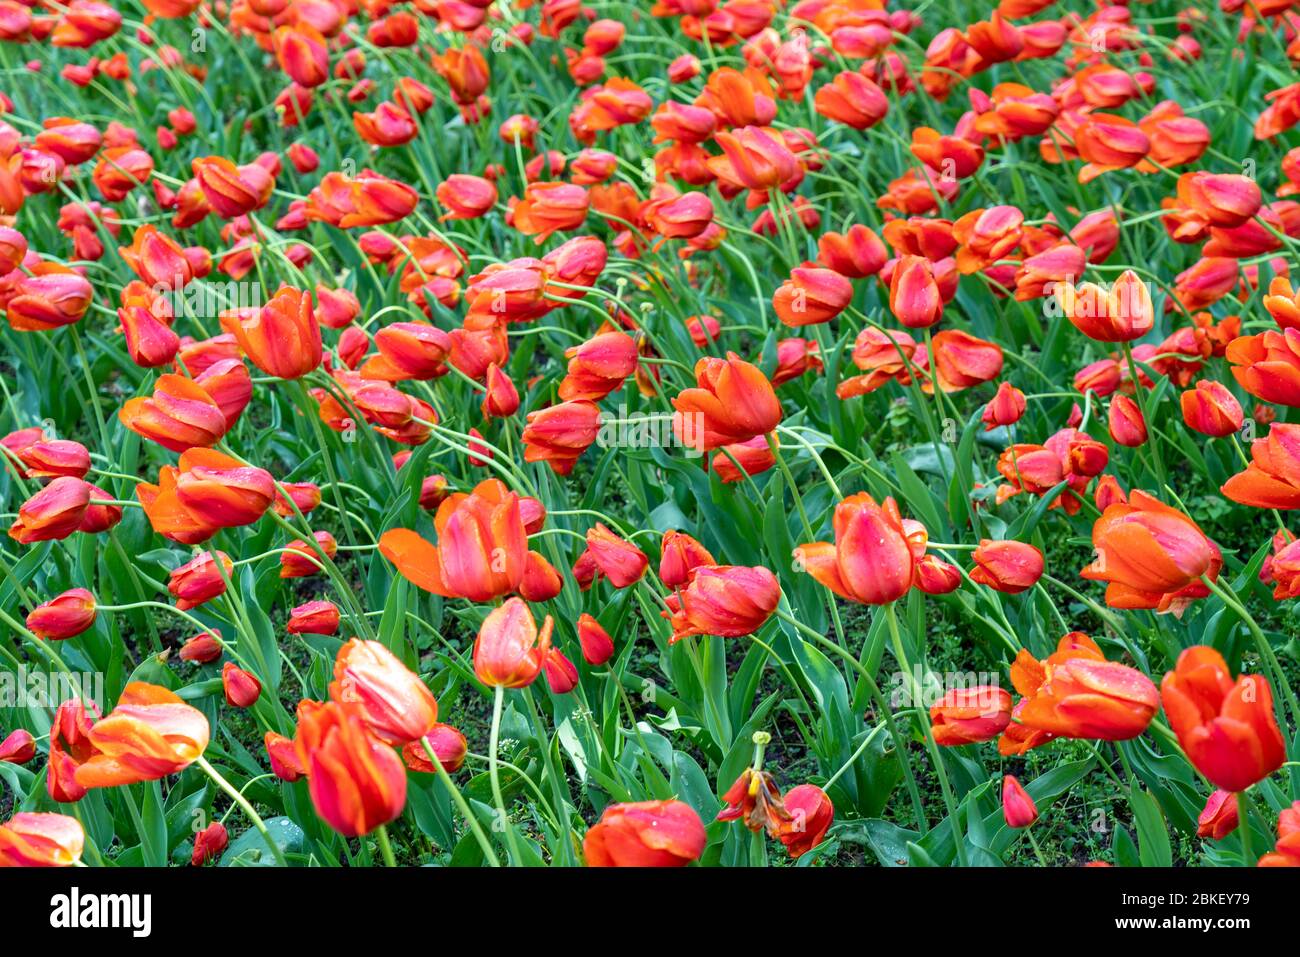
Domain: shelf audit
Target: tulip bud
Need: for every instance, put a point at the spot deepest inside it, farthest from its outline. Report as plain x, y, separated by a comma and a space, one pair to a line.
314, 618
1127, 427
1211, 409
1007, 566
241, 688
18, 748
209, 843
1220, 818
283, 757
597, 645
1017, 806
447, 744
64, 616
561, 673
1006, 407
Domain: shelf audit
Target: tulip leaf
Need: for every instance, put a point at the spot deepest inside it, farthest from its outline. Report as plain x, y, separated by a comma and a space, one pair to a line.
1153, 835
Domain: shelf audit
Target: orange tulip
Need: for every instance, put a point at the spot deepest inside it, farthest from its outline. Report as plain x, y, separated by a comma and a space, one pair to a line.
733, 402
597, 645
611, 557
1005, 408
1007, 566
559, 434
1211, 409
811, 814
509, 651
179, 415
313, 618
754, 158
1268, 365
1227, 728
1125, 422
1272, 479
150, 734
18, 747
550, 207
356, 782
199, 580
232, 190
1076, 693
282, 338
1286, 853
221, 492
448, 745
914, 295
1121, 314
599, 366
157, 259
811, 295
729, 601
282, 754
954, 157
53, 513
872, 558
241, 688
857, 253
852, 99
52, 296
396, 705
63, 616
302, 53
645, 834
970, 715
1221, 199
466, 197
680, 555
30, 839
961, 361
301, 559
1219, 818
755, 800
1108, 142
1151, 555
482, 550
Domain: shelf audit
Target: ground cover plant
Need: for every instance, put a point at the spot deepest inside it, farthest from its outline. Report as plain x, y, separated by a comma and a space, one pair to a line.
820, 433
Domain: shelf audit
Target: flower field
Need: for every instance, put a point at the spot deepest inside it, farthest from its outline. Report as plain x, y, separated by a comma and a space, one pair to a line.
782, 433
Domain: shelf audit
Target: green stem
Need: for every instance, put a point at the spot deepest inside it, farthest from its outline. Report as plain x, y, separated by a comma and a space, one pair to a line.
493, 773
459, 800
247, 808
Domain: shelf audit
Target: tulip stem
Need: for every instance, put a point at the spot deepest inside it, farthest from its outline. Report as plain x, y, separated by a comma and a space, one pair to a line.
1038, 852
1142, 394
878, 699
314, 418
1243, 826
459, 800
385, 847
494, 774
891, 618
247, 808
